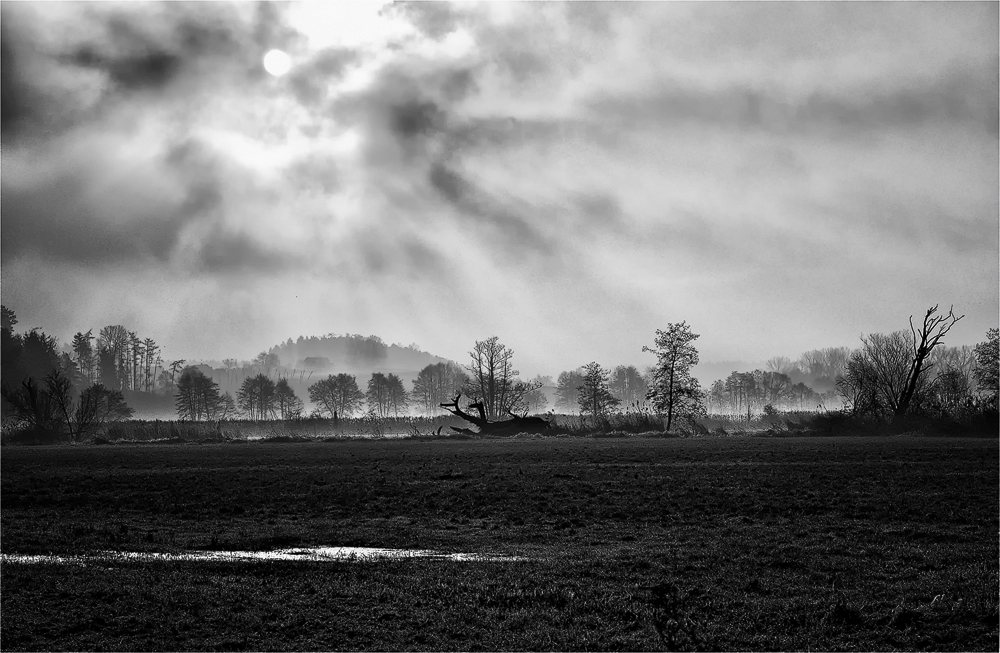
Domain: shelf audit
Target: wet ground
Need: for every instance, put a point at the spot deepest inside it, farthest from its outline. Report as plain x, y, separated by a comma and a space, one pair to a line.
303, 554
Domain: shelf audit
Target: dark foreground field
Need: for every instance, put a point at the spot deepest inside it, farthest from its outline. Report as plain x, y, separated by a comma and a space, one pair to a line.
630, 544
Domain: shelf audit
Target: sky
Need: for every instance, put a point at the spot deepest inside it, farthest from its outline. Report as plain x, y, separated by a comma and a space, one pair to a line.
568, 177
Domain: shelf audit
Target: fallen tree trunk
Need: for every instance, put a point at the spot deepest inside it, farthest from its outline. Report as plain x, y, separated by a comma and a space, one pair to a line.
516, 424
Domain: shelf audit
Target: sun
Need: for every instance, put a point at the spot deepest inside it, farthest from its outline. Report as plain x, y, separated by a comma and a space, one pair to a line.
277, 63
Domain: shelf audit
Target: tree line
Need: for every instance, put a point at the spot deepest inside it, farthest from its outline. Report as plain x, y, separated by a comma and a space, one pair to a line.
887, 377
46, 391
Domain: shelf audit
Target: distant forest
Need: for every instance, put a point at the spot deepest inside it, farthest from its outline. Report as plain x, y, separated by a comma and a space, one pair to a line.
128, 374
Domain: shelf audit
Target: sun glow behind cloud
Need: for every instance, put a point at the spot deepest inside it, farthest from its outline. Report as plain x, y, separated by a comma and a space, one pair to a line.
277, 62
442, 172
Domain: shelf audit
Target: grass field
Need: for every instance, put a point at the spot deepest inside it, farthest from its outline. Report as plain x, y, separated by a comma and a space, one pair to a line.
629, 544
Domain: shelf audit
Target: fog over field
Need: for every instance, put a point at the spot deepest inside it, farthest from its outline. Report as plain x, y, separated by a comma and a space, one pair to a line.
568, 177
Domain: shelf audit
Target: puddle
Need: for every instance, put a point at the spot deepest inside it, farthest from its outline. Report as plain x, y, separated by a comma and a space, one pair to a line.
310, 554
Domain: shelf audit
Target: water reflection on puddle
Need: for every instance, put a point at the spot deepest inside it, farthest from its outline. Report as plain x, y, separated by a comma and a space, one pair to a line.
313, 554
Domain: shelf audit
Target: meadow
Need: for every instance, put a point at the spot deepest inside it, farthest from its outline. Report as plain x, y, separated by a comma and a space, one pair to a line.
626, 543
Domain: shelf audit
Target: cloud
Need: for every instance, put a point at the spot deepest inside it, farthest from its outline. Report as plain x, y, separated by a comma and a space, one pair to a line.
535, 160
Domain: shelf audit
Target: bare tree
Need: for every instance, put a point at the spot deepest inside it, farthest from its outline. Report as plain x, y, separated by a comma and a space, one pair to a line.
780, 364
925, 339
32, 405
54, 406
494, 379
888, 377
876, 375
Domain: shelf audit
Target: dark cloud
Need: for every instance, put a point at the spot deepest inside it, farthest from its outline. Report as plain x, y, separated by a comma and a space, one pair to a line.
223, 251
63, 221
967, 96
109, 212
517, 232
151, 69
24, 101
416, 118
55, 78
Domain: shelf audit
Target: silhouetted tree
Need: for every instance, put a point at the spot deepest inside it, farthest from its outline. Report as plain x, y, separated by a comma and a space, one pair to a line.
378, 394
876, 375
175, 367
674, 391
26, 360
288, 404
197, 396
95, 406
337, 394
924, 339
595, 397
150, 363
950, 390
115, 339
32, 405
8, 319
398, 399
887, 377
108, 369
494, 381
86, 358
136, 355
987, 369
256, 397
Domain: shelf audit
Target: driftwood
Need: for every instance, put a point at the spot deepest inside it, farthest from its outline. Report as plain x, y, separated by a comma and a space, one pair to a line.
516, 424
